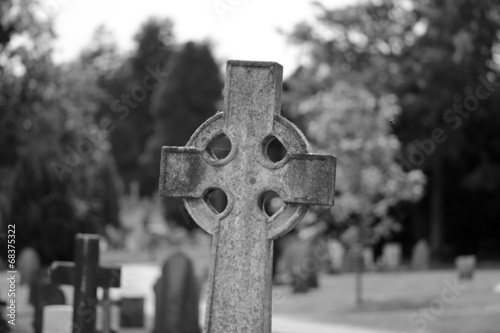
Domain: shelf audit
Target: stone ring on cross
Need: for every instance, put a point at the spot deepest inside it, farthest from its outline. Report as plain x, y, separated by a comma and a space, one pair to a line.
239, 285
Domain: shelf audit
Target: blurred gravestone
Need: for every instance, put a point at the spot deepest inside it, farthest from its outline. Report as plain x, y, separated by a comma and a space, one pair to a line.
392, 256
353, 260
301, 265
48, 294
177, 296
337, 252
368, 258
465, 266
420, 256
57, 319
40, 279
28, 264
132, 312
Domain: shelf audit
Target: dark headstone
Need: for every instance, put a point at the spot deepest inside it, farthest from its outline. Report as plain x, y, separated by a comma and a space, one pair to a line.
302, 266
177, 296
336, 252
28, 264
41, 279
465, 266
353, 260
392, 254
48, 294
420, 256
132, 312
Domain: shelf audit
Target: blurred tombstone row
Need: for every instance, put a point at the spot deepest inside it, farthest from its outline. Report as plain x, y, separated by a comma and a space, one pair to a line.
52, 310
175, 309
299, 256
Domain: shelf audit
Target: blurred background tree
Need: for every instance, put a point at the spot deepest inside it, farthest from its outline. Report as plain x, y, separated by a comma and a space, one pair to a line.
55, 179
426, 55
180, 105
133, 122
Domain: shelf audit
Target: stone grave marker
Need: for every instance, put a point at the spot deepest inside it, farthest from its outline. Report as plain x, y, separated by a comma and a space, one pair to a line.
353, 259
135, 298
132, 312
47, 295
177, 296
368, 259
391, 255
420, 257
28, 264
239, 288
57, 319
304, 268
336, 251
85, 275
465, 266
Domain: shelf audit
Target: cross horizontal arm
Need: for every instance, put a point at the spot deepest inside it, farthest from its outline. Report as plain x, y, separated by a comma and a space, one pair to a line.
64, 273
183, 172
109, 277
308, 179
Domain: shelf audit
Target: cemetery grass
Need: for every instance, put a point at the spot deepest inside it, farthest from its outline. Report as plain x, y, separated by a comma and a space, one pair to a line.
391, 298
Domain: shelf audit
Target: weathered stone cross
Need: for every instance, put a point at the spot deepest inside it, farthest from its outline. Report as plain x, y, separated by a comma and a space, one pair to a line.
86, 275
239, 297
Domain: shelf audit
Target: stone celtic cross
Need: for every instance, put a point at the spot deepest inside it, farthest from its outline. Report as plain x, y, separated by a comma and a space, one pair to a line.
239, 296
86, 275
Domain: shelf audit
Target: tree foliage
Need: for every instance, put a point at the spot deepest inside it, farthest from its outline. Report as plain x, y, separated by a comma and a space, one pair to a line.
130, 87
57, 174
186, 99
430, 56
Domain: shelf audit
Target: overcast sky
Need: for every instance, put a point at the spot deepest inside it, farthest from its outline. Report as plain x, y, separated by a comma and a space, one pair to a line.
246, 30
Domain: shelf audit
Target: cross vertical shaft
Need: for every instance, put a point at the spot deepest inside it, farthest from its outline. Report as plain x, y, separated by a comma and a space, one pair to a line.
86, 263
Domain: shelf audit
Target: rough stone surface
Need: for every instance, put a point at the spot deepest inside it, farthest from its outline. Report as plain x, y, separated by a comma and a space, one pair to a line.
239, 295
177, 297
85, 275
